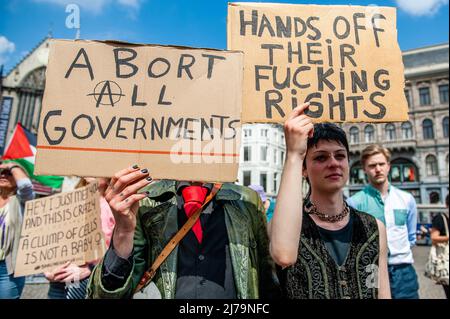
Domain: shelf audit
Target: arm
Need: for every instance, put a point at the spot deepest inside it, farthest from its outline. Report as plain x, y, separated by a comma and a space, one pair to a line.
436, 237
438, 230
25, 190
285, 226
384, 291
412, 221
110, 278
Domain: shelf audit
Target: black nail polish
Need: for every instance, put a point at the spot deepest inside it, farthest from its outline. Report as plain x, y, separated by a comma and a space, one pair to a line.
149, 179
144, 170
135, 166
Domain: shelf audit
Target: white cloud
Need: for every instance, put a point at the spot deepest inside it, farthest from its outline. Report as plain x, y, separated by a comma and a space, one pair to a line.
6, 47
421, 7
130, 3
94, 6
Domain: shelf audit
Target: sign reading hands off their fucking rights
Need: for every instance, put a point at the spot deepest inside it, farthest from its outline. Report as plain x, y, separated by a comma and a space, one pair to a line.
344, 60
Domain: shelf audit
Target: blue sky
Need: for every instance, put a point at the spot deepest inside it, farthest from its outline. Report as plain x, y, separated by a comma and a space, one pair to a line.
200, 23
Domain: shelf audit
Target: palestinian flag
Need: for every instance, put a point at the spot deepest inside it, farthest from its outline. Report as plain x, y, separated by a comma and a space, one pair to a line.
22, 149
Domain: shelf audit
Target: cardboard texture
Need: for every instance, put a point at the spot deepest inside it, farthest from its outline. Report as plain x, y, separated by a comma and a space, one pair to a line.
344, 60
60, 228
110, 105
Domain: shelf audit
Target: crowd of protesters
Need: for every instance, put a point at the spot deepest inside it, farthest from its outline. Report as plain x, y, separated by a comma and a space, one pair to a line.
241, 244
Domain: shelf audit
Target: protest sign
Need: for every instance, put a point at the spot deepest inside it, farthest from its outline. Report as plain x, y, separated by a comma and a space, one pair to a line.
58, 229
109, 105
344, 60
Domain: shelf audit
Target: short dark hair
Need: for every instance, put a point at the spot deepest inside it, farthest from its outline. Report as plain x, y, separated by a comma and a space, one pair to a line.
328, 132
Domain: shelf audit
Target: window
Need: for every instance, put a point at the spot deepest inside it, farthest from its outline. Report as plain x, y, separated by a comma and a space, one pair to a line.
427, 127
354, 135
390, 132
407, 132
282, 157
403, 171
247, 153
369, 133
434, 197
424, 95
247, 178
432, 165
443, 93
247, 133
446, 164
445, 126
408, 98
275, 157
264, 132
275, 182
357, 175
263, 180
264, 153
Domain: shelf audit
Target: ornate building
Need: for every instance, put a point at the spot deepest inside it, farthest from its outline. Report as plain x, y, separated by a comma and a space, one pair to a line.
24, 87
22, 90
420, 147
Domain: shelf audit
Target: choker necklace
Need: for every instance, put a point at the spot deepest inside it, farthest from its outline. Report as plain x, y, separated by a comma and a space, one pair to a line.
312, 209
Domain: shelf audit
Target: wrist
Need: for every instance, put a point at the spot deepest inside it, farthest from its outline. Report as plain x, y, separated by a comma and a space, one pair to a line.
295, 156
14, 167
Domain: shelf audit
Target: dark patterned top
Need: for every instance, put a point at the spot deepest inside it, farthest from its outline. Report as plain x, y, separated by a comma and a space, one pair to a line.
316, 275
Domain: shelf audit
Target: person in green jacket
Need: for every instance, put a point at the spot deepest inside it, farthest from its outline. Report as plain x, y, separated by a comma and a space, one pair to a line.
225, 255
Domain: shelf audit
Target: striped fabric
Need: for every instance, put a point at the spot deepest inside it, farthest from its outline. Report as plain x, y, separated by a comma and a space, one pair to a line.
77, 291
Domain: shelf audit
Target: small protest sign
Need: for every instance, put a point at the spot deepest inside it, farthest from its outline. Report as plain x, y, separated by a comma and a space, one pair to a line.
60, 228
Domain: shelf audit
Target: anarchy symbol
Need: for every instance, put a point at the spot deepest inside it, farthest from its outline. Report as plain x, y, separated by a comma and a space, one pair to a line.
109, 90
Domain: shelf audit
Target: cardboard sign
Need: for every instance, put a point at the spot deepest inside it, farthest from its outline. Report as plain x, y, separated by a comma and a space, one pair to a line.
109, 105
60, 228
344, 60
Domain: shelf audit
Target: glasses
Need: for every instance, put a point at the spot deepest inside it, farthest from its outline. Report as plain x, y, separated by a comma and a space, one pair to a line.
5, 171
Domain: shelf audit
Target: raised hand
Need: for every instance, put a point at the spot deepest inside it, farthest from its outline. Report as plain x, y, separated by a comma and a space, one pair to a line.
123, 198
297, 128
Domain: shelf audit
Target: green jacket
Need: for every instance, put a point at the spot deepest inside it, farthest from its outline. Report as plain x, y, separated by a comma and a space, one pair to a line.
253, 268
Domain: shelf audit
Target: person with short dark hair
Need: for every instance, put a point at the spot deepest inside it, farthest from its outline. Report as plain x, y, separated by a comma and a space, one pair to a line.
327, 250
397, 210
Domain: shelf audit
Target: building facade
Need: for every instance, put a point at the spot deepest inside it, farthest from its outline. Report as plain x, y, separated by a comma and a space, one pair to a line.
22, 92
262, 156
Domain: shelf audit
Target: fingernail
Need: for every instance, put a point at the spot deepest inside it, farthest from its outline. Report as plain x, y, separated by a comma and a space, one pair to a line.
144, 170
135, 166
149, 179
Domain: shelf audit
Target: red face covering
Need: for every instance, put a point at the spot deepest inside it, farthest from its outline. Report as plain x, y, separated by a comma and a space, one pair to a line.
194, 196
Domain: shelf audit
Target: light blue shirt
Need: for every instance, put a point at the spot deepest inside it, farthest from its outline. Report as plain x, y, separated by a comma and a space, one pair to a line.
398, 212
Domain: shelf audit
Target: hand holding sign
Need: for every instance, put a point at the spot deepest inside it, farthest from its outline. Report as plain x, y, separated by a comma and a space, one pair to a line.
123, 199
297, 129
68, 272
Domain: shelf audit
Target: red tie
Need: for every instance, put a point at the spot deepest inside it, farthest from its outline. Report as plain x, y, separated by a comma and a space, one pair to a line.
194, 196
